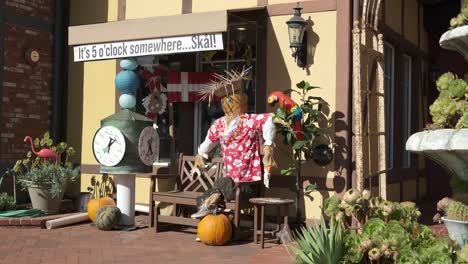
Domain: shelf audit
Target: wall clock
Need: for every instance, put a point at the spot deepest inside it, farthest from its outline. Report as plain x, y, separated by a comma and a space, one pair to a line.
109, 146
148, 145
32, 57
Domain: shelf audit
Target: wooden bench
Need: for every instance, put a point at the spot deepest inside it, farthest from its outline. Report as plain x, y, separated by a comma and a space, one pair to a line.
188, 189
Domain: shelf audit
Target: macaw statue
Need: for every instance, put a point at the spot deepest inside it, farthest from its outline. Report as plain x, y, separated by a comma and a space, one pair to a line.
289, 107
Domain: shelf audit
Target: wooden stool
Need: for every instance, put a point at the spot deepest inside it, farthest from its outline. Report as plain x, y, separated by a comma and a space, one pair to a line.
268, 201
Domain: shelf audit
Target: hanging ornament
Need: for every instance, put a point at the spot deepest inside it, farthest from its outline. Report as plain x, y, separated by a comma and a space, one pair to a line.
128, 64
127, 81
127, 101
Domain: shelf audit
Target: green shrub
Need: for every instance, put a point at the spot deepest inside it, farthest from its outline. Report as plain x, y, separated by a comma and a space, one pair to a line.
6, 202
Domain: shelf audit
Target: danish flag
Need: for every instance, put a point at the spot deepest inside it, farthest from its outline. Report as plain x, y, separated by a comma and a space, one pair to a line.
185, 86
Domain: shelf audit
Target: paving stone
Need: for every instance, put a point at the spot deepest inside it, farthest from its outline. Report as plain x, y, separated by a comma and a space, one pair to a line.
83, 243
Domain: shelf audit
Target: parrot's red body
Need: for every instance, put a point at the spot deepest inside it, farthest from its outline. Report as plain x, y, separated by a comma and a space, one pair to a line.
289, 107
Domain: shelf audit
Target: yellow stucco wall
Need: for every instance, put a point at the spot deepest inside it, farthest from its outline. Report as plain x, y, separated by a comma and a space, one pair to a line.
98, 103
91, 92
82, 12
151, 8
213, 5
393, 15
283, 73
411, 21
271, 2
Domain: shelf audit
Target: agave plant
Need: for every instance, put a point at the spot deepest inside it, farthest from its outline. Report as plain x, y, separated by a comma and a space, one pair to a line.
319, 244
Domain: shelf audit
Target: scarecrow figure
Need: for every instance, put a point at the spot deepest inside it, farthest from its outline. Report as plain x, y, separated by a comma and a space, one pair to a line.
240, 136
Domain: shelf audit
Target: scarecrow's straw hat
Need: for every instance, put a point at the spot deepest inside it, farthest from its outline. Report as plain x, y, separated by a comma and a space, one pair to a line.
222, 86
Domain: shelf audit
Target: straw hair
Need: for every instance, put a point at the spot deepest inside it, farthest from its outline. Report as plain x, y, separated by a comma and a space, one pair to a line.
222, 86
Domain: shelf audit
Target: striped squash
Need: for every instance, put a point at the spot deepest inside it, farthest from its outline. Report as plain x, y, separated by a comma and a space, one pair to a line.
107, 217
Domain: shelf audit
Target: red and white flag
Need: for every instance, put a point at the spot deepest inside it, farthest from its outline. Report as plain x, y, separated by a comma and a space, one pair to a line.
185, 86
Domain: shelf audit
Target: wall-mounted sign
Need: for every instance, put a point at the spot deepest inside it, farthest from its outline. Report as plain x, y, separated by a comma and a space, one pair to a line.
148, 47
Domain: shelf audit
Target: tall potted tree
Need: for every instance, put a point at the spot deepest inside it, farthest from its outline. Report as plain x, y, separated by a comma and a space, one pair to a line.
298, 123
46, 173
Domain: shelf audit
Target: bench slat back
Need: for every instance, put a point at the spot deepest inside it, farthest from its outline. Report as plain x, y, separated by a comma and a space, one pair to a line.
198, 183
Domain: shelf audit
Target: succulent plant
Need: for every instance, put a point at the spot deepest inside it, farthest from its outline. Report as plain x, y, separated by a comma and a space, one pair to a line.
454, 210
450, 109
461, 19
351, 196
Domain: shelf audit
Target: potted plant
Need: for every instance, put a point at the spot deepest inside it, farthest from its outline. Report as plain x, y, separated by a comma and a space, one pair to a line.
46, 173
298, 124
455, 219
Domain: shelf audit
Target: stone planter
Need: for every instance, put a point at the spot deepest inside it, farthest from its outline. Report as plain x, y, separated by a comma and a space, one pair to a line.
447, 147
457, 40
458, 230
41, 199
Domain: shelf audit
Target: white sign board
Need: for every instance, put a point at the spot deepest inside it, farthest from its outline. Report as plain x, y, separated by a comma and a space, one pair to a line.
148, 47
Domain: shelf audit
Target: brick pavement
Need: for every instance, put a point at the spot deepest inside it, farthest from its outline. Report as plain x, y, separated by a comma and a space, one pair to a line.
85, 244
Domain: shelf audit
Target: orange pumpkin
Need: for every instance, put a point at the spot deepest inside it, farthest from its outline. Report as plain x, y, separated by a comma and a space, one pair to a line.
95, 204
215, 230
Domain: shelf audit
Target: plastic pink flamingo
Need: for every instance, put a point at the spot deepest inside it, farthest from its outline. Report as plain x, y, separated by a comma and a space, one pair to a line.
43, 153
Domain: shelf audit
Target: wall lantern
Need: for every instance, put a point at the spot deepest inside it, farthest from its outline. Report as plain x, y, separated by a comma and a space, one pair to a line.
298, 37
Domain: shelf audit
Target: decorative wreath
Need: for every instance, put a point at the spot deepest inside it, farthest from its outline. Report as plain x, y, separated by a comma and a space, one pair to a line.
155, 102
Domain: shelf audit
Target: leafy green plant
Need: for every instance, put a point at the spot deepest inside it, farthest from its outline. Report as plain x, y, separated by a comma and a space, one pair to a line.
319, 244
360, 206
311, 108
6, 202
462, 18
462, 255
52, 175
450, 109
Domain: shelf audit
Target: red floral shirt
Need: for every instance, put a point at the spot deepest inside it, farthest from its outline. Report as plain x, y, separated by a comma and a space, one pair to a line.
240, 146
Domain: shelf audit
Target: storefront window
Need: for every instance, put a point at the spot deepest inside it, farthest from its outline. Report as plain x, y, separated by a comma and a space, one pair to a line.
240, 52
192, 119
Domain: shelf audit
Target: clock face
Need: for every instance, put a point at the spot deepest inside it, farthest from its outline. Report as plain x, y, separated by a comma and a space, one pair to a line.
109, 146
148, 145
34, 56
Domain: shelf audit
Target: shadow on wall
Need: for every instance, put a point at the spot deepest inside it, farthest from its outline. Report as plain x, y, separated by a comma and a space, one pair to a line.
312, 41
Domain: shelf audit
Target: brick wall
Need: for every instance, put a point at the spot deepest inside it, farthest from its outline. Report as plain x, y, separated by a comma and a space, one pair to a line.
26, 90
39, 9
26, 93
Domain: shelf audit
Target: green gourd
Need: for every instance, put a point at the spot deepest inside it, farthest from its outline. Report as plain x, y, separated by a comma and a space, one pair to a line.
107, 217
